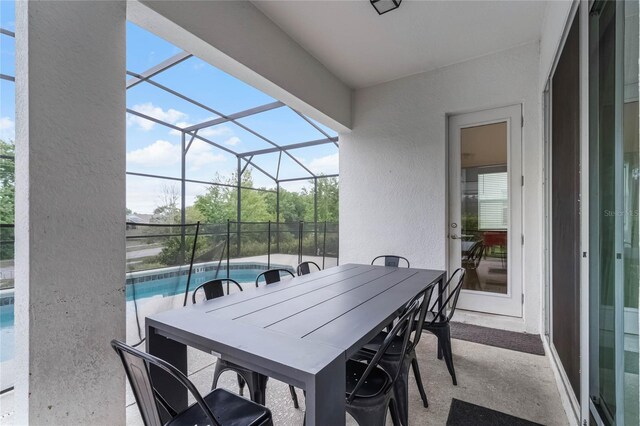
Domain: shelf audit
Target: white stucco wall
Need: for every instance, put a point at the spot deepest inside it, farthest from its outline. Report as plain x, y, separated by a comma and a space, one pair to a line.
70, 208
393, 164
240, 40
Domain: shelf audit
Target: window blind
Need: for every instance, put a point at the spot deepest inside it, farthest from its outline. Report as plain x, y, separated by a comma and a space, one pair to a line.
493, 201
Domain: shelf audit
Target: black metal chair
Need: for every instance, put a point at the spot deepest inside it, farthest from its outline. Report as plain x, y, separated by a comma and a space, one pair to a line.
219, 407
214, 288
437, 322
474, 256
272, 275
391, 260
395, 359
470, 263
305, 268
370, 387
257, 382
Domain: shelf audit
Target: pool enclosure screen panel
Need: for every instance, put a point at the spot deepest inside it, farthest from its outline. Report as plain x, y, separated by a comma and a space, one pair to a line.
565, 204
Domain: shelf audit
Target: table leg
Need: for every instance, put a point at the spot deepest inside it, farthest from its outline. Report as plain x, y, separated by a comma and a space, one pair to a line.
174, 353
325, 395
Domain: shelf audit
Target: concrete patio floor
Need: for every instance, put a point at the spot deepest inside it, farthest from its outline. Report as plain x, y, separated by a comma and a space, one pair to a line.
515, 383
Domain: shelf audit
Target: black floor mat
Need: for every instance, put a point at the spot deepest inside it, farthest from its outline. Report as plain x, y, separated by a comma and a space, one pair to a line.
463, 413
521, 342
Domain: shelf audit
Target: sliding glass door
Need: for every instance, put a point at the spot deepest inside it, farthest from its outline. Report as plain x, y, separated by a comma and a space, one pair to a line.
614, 206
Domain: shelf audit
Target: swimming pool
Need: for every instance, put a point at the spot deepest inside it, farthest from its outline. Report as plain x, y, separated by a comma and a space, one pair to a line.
171, 283
140, 285
6, 331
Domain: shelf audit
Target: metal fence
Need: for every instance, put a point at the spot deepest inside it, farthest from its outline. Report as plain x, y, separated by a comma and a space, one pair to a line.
165, 263
6, 255
155, 246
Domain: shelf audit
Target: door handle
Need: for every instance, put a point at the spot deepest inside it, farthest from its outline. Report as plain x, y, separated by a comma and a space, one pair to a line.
454, 237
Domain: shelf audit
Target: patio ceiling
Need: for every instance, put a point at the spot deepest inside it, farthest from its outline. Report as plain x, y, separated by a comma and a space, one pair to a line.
364, 49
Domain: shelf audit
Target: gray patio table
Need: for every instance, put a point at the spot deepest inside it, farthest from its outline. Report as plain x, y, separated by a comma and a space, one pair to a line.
300, 331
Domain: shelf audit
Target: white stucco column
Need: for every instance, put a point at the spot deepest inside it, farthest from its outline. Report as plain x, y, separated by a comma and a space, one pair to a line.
70, 210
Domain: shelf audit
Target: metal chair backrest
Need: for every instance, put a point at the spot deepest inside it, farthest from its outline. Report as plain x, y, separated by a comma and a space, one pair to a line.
305, 268
136, 364
272, 275
475, 255
453, 294
423, 299
391, 260
214, 288
402, 328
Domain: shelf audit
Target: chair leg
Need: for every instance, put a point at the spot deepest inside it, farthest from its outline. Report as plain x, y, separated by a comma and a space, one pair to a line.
448, 355
369, 416
256, 383
439, 349
221, 368
401, 390
395, 416
216, 374
241, 384
416, 373
294, 396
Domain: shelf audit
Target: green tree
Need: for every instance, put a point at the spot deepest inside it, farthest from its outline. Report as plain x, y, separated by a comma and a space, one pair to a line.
7, 197
293, 206
216, 205
328, 200
219, 203
7, 182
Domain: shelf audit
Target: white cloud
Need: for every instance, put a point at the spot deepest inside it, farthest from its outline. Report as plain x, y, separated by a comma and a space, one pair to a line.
7, 128
143, 194
210, 132
328, 164
182, 125
171, 116
158, 154
232, 141
201, 155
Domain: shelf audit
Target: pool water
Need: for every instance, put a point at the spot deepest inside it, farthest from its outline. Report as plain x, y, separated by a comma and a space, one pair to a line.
176, 285
6, 332
156, 287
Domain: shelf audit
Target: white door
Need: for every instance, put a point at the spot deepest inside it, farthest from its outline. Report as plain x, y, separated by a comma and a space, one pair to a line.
485, 208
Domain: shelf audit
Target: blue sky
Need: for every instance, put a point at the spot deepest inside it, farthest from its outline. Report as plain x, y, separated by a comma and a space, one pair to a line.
7, 66
155, 149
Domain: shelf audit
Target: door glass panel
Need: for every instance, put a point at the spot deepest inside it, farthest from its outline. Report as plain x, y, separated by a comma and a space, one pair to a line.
630, 231
614, 210
484, 207
605, 235
604, 220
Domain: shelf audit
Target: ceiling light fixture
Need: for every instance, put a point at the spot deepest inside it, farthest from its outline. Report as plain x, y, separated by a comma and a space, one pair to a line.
384, 6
